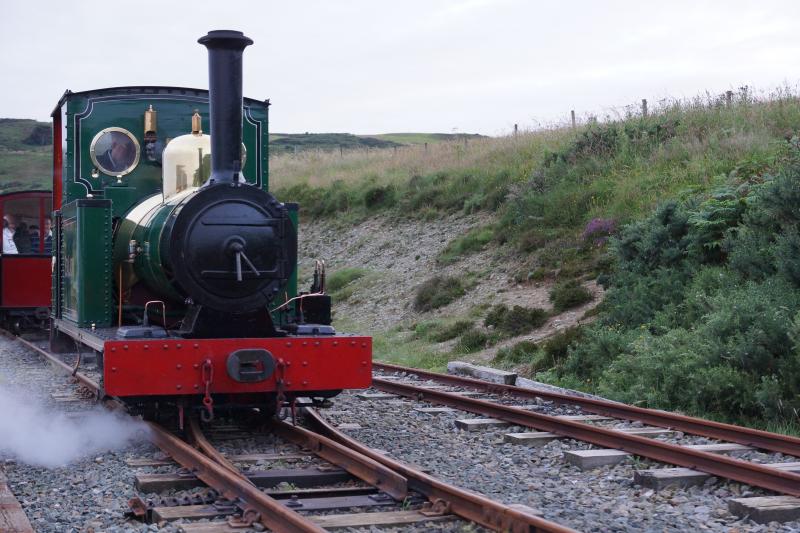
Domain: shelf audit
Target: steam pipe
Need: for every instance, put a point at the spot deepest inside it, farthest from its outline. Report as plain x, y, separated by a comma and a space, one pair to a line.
225, 49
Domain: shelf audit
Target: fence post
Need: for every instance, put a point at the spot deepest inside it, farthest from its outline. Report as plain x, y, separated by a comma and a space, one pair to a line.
516, 129
465, 143
728, 98
395, 150
644, 107
341, 151
573, 118
426, 147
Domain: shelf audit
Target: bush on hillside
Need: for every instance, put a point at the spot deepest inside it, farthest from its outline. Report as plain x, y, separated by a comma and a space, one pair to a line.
569, 294
517, 320
703, 312
437, 292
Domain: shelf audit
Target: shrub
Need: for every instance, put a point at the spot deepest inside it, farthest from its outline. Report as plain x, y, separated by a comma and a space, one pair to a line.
472, 341
437, 292
569, 294
598, 231
556, 348
439, 332
517, 320
379, 197
521, 352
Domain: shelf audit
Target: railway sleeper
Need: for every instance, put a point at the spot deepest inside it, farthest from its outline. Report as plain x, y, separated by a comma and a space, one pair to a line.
299, 477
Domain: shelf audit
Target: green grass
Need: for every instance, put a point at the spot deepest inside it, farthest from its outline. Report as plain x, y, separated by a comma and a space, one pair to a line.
545, 186
441, 330
422, 138
473, 241
20, 134
25, 171
341, 284
25, 155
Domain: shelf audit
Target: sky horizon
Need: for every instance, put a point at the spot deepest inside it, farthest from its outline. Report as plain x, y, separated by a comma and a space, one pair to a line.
469, 66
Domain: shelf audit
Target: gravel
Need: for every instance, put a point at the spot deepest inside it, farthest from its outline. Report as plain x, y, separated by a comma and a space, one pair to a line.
88, 494
603, 499
91, 493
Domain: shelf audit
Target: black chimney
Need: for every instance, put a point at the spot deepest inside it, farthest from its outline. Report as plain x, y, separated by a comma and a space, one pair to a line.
225, 49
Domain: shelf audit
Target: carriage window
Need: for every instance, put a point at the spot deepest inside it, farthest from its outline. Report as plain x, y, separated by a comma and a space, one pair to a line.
27, 226
114, 151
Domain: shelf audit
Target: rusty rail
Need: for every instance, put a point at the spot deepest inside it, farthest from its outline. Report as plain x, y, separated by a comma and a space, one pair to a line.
697, 426
359, 465
718, 465
82, 379
446, 497
272, 513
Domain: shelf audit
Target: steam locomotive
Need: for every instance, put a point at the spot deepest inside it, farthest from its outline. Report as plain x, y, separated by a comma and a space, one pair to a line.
174, 263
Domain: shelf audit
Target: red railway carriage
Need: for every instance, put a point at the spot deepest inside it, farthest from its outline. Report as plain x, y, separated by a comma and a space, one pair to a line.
25, 262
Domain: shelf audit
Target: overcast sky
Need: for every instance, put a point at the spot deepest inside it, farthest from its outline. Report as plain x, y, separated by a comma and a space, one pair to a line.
375, 66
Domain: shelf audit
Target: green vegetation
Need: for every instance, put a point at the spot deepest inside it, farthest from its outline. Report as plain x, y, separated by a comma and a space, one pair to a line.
515, 321
539, 356
703, 310
546, 186
472, 340
25, 155
341, 284
438, 331
289, 143
438, 291
472, 241
569, 294
422, 138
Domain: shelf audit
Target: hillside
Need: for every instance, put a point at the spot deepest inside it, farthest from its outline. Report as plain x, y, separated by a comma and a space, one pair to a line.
24, 154
498, 251
25, 148
291, 143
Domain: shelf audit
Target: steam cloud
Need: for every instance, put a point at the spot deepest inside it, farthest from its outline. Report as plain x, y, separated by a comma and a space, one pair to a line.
31, 434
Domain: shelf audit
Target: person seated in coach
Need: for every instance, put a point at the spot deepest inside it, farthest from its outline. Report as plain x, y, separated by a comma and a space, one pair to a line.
9, 228
48, 235
34, 231
22, 238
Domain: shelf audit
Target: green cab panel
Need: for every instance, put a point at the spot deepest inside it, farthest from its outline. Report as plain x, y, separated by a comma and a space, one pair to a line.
85, 263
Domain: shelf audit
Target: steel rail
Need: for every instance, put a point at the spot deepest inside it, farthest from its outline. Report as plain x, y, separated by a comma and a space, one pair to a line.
715, 464
273, 514
83, 379
361, 466
199, 440
447, 498
697, 426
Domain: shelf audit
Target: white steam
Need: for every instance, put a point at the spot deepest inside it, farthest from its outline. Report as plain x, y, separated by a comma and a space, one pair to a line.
32, 434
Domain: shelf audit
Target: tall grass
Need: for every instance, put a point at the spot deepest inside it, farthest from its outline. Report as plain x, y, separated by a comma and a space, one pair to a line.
544, 186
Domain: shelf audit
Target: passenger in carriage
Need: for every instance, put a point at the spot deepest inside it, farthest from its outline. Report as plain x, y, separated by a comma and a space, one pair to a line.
9, 229
22, 238
48, 235
34, 238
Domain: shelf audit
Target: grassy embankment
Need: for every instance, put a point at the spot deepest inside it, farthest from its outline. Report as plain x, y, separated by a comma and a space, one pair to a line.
683, 326
25, 155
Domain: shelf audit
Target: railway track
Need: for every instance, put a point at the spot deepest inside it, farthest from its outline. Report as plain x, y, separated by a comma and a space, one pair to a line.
780, 480
389, 481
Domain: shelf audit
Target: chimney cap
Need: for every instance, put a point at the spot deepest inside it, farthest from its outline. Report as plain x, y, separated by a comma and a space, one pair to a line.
226, 38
